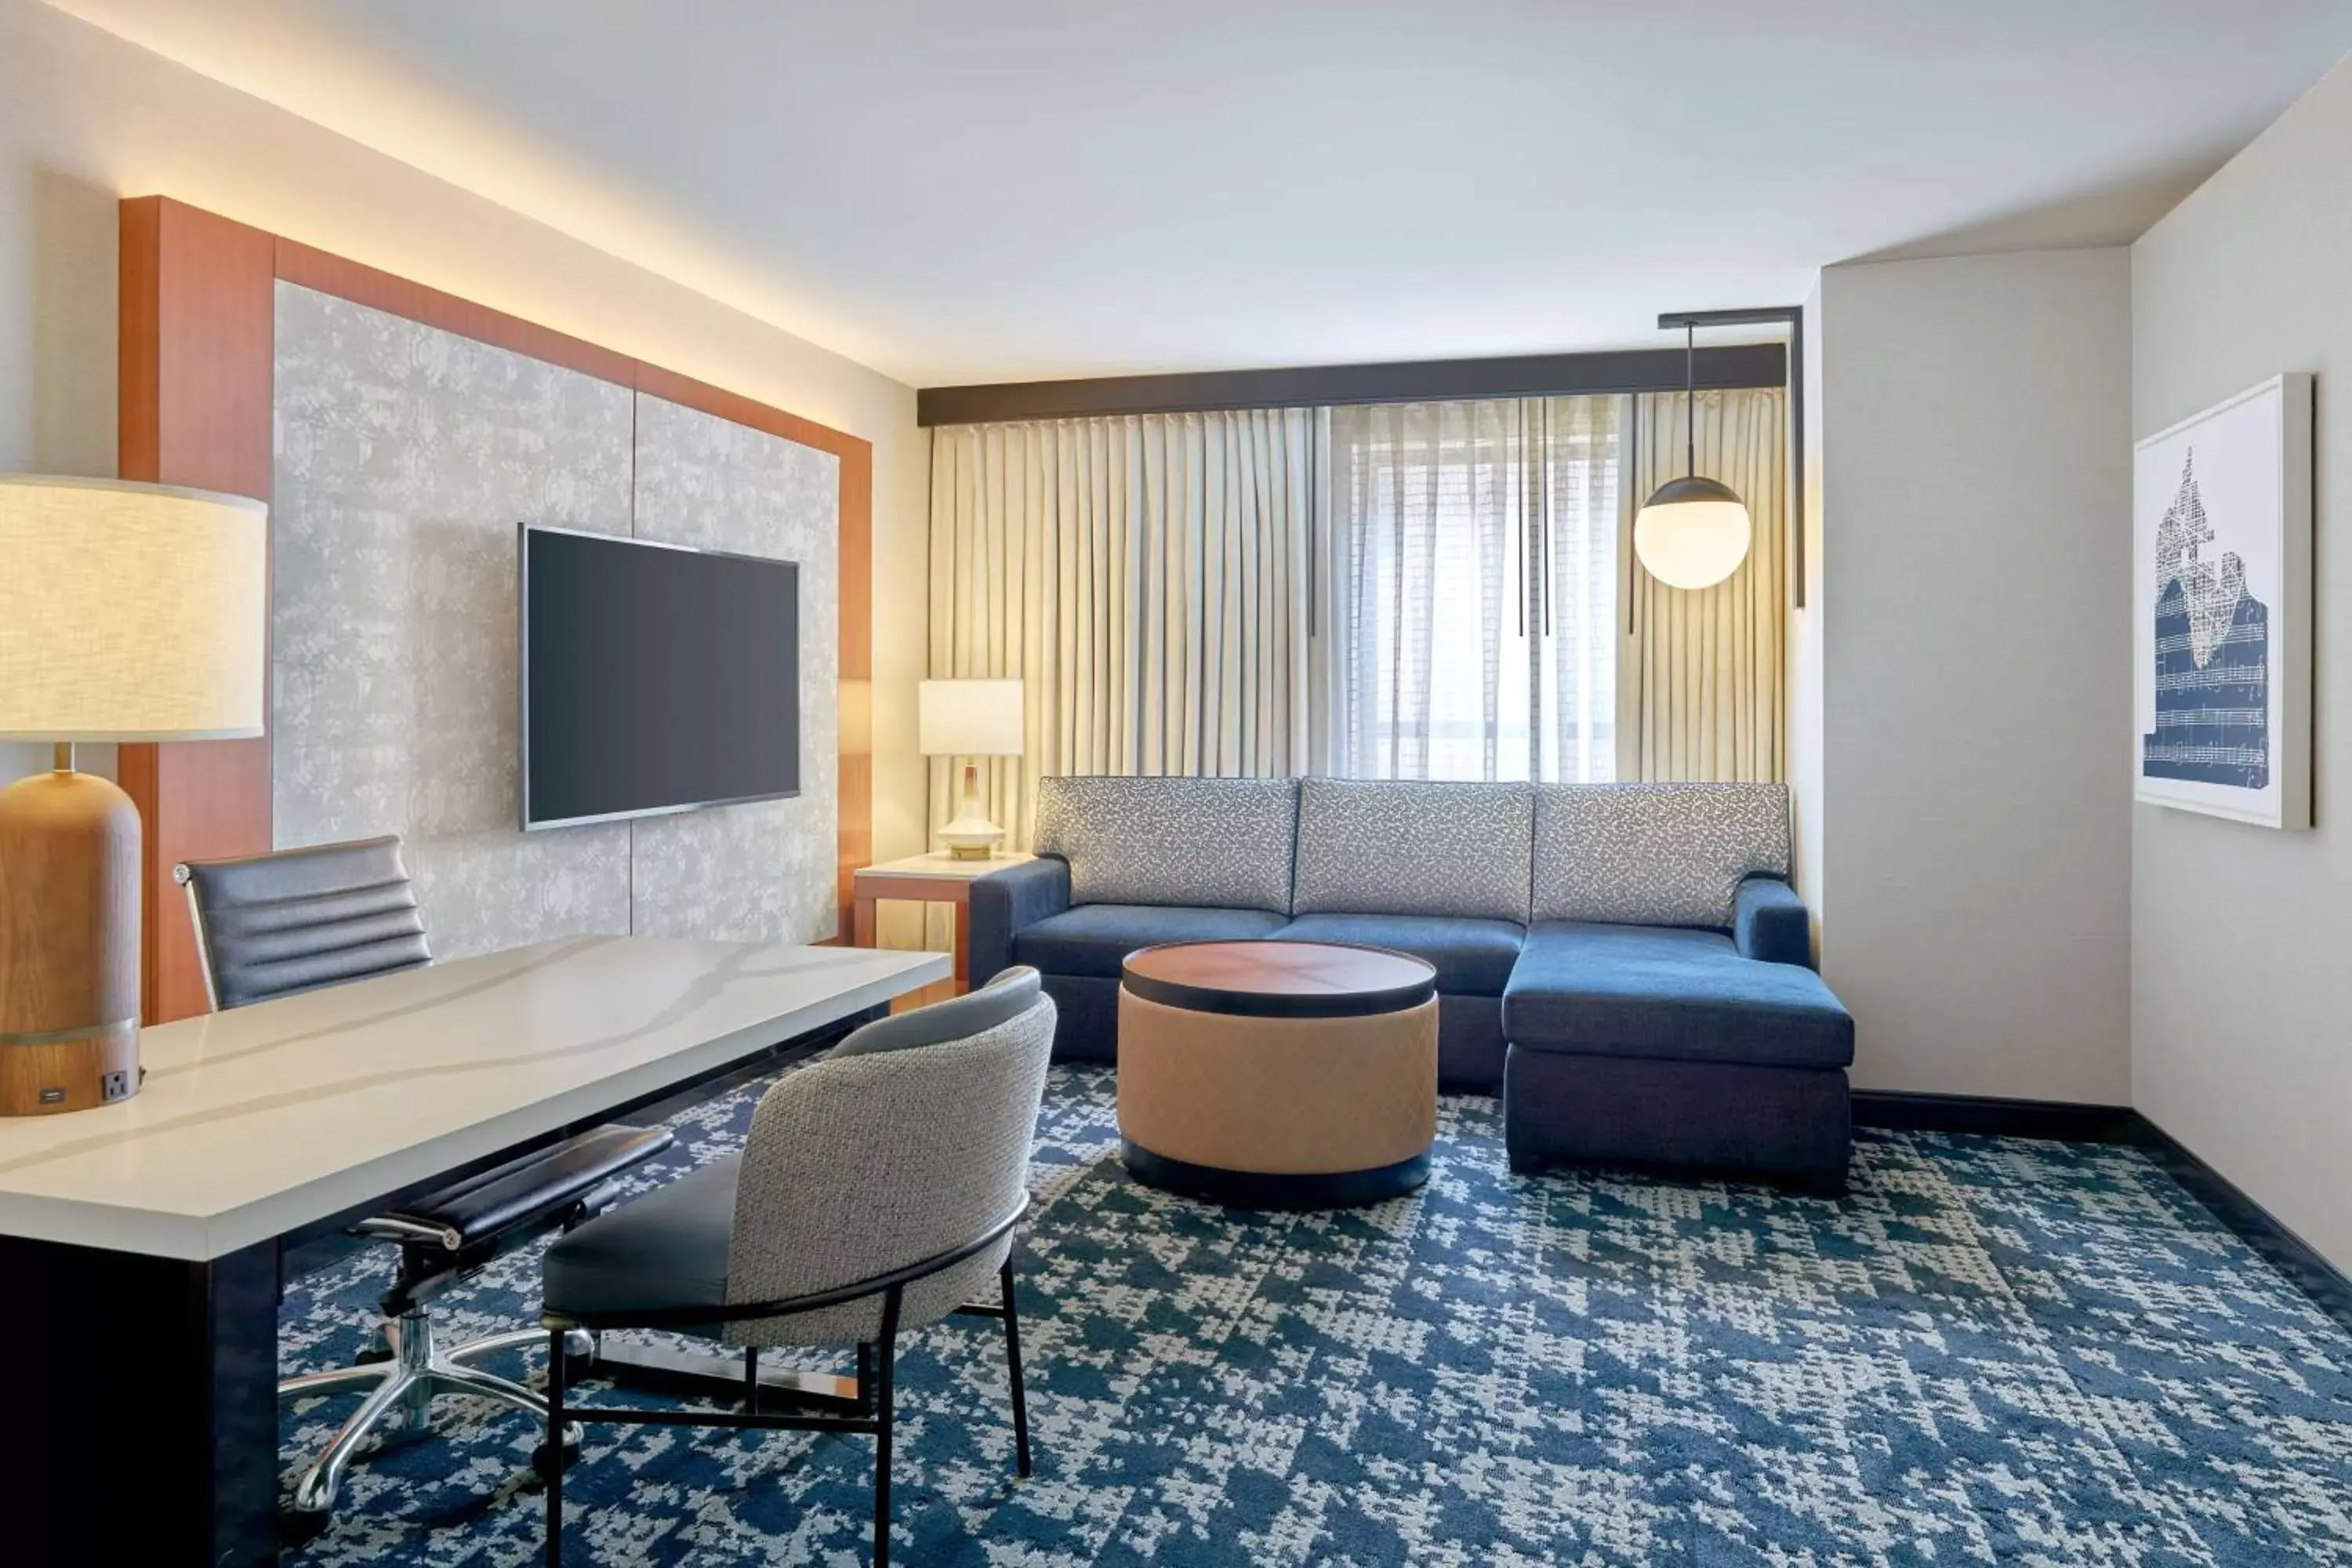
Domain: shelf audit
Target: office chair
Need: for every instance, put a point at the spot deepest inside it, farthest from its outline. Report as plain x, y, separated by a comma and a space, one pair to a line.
877, 1191
273, 925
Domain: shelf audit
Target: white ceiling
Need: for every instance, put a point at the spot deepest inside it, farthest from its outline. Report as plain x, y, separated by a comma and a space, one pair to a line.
981, 190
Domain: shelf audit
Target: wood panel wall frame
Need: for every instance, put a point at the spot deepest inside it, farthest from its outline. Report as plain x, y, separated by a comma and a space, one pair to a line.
198, 361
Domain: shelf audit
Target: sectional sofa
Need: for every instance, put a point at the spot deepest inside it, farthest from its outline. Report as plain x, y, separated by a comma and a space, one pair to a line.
1625, 963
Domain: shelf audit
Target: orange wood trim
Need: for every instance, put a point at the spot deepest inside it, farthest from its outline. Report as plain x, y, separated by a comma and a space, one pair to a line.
854, 798
914, 890
672, 387
197, 341
363, 285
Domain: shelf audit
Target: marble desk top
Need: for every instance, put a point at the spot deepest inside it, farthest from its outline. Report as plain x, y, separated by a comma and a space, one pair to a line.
257, 1121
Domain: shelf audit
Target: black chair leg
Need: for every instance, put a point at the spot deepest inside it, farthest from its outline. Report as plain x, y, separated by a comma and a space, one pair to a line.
1012, 1367
555, 1448
886, 1391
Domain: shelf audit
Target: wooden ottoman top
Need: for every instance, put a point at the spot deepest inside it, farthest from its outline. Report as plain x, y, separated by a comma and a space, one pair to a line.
1280, 979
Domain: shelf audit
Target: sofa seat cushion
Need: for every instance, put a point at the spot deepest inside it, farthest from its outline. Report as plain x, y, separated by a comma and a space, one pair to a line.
1473, 957
1095, 938
1670, 994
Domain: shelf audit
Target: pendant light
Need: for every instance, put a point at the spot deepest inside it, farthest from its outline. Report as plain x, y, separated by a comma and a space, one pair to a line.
1692, 534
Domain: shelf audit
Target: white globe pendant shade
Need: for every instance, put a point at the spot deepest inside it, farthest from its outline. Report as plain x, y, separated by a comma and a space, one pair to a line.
1693, 533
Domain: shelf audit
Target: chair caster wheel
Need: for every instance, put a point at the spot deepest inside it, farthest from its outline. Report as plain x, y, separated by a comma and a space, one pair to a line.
539, 1455
297, 1529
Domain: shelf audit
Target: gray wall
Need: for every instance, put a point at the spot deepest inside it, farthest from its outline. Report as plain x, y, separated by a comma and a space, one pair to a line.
2241, 993
405, 457
1976, 678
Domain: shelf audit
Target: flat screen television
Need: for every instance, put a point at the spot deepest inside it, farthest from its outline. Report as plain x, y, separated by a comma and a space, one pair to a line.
655, 678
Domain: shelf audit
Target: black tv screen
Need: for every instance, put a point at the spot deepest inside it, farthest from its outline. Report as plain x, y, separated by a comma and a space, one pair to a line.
655, 678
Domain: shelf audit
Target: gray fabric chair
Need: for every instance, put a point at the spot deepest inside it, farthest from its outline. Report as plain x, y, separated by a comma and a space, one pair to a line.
274, 925
877, 1193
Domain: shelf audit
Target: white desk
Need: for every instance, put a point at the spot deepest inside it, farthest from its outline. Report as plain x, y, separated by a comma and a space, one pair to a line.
139, 1241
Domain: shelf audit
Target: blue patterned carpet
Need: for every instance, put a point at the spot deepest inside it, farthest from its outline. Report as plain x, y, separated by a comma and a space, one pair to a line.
1993, 1351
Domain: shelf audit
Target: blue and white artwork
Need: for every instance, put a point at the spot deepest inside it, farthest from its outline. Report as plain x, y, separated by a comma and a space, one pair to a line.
2213, 655
2222, 544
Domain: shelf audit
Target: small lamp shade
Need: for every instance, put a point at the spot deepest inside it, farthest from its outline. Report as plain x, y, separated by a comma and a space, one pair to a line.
1693, 533
130, 612
969, 718
127, 612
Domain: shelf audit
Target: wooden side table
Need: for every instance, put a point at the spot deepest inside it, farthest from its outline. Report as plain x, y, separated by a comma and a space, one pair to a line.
927, 879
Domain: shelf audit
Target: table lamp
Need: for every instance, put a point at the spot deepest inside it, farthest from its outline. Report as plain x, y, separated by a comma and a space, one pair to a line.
969, 719
128, 612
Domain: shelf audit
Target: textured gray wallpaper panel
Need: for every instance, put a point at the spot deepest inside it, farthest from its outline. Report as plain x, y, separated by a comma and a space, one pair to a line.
405, 457
762, 871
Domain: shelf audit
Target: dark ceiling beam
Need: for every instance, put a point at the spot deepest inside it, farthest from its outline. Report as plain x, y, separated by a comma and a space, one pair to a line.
1410, 381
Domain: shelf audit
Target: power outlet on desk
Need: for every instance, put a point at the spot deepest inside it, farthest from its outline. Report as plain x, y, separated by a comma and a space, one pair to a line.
114, 1085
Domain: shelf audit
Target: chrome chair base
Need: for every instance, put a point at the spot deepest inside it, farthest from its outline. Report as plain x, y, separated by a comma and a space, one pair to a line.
405, 1388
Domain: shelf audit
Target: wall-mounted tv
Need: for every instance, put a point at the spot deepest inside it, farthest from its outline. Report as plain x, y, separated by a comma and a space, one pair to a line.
655, 678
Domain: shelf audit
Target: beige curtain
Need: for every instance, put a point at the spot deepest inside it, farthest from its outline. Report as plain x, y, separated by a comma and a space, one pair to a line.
1700, 688
1145, 576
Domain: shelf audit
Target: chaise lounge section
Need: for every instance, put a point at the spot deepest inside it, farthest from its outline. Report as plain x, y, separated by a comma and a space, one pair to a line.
1665, 1008
1625, 963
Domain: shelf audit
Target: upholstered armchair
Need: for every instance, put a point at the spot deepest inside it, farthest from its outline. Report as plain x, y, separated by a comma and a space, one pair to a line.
877, 1193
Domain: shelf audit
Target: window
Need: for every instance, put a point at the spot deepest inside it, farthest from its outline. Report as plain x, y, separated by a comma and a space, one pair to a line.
1474, 546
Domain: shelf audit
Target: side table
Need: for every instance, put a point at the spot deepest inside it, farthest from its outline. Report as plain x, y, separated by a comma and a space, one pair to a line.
927, 879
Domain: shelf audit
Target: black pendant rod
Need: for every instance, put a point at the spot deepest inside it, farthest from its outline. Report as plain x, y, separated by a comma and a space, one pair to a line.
1690, 401
1793, 317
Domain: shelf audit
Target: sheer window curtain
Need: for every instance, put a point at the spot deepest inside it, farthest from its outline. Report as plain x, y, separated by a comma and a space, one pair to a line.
1471, 600
1145, 576
1702, 692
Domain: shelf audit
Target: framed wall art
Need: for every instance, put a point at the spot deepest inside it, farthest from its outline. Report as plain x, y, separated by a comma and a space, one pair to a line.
2222, 571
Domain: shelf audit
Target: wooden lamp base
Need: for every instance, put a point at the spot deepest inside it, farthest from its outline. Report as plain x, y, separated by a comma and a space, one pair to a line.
68, 943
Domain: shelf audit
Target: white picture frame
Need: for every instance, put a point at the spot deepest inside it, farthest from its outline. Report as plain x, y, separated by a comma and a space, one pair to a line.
2222, 507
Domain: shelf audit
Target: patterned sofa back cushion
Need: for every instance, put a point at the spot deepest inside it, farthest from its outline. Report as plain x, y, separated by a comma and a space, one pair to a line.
1205, 842
1654, 854
1380, 848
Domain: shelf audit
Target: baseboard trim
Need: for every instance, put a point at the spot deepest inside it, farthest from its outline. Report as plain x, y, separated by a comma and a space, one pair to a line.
2327, 1287
2314, 1275
2066, 1120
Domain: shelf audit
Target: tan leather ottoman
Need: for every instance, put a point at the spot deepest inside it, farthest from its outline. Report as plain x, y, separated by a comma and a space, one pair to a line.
1277, 1074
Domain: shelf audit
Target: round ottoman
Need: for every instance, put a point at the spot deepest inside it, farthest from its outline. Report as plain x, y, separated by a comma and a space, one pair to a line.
1277, 1074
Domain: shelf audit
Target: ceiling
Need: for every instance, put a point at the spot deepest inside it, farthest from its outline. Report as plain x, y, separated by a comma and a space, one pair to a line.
955, 192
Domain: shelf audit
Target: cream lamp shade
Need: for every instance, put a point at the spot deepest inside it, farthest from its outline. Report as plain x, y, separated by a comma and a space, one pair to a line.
130, 612
1693, 533
969, 719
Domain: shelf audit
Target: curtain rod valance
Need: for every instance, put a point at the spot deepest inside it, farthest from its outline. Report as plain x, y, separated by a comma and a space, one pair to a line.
1411, 381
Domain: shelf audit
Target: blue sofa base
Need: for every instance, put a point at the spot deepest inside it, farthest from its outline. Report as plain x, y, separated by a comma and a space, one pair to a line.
1086, 1028
1469, 1032
1567, 1108
1470, 1044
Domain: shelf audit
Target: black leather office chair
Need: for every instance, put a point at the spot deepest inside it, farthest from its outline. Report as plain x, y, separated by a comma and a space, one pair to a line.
272, 925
